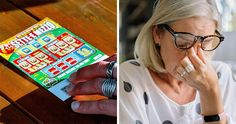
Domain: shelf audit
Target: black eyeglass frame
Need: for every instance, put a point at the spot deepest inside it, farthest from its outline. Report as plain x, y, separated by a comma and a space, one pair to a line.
196, 38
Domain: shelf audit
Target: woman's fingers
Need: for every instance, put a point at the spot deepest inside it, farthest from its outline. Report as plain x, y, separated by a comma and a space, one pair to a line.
90, 72
195, 60
186, 61
180, 73
93, 86
106, 107
110, 59
188, 66
90, 87
201, 55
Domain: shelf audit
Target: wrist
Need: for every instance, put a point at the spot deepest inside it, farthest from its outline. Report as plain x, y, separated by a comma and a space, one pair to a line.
208, 88
211, 101
215, 119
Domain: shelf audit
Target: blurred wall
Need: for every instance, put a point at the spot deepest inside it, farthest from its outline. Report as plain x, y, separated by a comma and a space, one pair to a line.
227, 49
133, 14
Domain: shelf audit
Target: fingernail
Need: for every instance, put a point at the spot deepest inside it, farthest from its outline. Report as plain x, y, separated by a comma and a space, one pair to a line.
75, 106
69, 88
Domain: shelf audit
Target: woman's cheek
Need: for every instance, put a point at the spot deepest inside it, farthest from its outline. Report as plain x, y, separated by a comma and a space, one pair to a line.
171, 68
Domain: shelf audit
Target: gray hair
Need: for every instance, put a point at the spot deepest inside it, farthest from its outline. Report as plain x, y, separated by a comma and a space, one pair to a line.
165, 12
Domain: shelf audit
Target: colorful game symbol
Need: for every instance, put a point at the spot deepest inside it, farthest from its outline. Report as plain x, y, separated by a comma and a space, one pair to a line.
41, 56
6, 48
84, 51
49, 82
36, 45
26, 50
59, 48
25, 65
61, 44
71, 60
62, 65
53, 49
46, 39
33, 60
53, 70
73, 41
69, 39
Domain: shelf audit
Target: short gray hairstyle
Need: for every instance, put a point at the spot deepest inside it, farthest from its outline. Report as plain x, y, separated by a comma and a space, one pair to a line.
165, 12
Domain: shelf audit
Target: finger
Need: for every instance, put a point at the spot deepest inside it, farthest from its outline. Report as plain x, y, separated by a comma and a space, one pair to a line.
187, 65
185, 61
106, 107
201, 55
114, 74
181, 72
89, 72
112, 58
189, 68
177, 76
85, 88
195, 60
184, 75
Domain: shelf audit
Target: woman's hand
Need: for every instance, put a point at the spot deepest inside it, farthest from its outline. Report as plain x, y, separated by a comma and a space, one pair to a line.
198, 73
89, 80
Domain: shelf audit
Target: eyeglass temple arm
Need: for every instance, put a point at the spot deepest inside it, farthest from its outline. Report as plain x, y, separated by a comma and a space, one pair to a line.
221, 36
168, 28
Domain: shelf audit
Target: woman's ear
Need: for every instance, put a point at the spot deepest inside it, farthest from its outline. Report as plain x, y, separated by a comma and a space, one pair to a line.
156, 34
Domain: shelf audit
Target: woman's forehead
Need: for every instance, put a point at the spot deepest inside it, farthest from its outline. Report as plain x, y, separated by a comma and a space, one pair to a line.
195, 25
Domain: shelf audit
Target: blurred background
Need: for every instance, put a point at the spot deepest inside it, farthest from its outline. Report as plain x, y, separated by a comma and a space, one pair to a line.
134, 13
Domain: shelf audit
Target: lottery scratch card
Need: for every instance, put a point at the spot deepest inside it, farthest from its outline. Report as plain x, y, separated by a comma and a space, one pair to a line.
49, 53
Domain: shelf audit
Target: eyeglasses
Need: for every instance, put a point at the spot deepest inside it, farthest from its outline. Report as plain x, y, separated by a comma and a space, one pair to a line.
185, 40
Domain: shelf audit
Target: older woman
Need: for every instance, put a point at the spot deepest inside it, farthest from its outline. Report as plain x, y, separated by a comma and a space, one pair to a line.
173, 80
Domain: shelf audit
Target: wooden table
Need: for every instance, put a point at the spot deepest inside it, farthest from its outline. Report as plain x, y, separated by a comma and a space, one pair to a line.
24, 101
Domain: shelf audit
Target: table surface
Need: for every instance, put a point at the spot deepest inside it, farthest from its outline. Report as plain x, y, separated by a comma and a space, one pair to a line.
23, 100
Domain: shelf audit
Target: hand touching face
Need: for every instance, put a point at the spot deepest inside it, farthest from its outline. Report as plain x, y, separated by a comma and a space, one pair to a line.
196, 70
